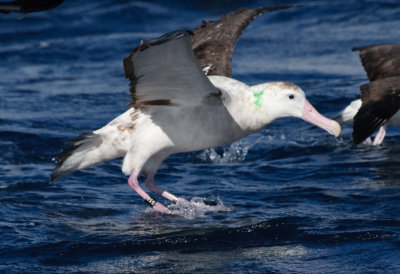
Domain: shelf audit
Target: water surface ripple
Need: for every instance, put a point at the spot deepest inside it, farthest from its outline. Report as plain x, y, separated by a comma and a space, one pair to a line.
288, 199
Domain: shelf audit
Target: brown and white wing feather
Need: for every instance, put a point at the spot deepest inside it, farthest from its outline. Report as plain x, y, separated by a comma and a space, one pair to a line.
214, 41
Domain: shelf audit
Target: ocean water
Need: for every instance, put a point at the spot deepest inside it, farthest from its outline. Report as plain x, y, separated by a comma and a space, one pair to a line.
289, 199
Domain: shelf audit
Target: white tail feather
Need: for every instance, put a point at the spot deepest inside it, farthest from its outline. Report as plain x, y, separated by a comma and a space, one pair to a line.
85, 152
106, 143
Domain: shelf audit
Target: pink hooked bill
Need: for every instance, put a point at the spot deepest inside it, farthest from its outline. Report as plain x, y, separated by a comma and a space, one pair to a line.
311, 115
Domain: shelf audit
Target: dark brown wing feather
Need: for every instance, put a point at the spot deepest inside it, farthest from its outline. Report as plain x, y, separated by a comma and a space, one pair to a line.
380, 61
380, 101
214, 41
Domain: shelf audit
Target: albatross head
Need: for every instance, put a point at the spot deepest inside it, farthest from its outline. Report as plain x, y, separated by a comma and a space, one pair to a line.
284, 99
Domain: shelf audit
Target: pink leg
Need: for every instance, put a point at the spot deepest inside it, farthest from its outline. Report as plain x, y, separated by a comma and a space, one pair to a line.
380, 135
134, 184
150, 184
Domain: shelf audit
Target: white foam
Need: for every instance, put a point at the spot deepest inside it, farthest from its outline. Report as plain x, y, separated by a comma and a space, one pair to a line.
235, 153
197, 207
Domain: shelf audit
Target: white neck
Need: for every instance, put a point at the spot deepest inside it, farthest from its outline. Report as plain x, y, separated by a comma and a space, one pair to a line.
241, 103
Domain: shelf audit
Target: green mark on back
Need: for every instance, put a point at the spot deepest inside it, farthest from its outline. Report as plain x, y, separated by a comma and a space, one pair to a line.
258, 98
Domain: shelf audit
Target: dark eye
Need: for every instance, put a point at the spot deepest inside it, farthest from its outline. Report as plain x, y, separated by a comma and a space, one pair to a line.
291, 96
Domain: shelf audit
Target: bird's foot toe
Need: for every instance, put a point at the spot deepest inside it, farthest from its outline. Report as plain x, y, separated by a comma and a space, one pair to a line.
161, 208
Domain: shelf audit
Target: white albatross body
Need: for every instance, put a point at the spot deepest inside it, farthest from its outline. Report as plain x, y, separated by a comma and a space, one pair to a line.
206, 127
144, 144
177, 108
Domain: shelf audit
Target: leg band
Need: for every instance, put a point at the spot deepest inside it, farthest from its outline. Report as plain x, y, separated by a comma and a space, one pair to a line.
150, 200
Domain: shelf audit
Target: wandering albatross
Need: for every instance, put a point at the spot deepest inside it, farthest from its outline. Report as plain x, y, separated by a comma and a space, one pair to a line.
380, 98
176, 108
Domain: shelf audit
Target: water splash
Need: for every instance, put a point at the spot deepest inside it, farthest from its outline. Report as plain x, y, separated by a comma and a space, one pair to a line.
234, 153
197, 207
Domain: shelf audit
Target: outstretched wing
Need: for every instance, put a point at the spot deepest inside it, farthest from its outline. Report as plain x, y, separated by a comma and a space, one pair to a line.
380, 101
380, 61
214, 41
165, 72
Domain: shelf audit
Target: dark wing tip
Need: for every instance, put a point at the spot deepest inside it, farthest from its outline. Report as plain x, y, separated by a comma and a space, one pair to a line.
364, 126
380, 101
368, 119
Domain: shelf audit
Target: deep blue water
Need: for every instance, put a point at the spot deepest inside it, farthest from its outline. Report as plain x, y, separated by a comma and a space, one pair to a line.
292, 199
